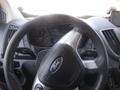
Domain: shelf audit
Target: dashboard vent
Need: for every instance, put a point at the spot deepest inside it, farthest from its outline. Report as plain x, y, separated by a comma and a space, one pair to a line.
112, 40
11, 30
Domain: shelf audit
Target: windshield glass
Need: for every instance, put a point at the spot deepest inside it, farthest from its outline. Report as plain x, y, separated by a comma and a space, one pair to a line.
71, 7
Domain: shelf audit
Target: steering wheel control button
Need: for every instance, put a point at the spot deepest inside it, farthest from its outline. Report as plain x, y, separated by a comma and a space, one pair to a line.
38, 87
55, 66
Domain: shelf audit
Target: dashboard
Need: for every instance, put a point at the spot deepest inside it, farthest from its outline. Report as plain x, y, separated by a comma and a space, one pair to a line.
43, 38
109, 33
46, 37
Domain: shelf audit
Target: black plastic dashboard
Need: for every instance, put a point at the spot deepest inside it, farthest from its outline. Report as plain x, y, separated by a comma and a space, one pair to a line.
110, 35
108, 31
46, 37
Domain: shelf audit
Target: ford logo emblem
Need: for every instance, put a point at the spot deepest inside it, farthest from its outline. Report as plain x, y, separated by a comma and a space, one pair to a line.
55, 66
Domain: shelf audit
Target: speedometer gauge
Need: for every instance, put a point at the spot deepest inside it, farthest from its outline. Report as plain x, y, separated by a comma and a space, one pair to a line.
59, 31
40, 37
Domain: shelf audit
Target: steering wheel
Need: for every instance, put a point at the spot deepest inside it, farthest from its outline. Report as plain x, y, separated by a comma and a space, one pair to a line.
62, 68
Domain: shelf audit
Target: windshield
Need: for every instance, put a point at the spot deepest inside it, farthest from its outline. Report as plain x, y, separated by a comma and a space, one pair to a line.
71, 7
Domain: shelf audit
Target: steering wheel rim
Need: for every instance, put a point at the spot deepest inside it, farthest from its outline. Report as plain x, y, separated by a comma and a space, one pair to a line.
49, 21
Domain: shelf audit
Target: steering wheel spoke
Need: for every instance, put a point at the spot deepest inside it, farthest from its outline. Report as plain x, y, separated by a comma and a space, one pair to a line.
90, 64
93, 66
72, 38
38, 85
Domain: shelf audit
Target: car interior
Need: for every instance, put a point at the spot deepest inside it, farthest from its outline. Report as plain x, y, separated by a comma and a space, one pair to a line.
59, 52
